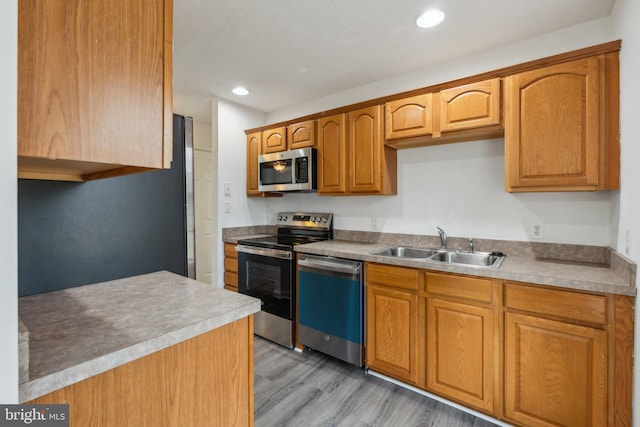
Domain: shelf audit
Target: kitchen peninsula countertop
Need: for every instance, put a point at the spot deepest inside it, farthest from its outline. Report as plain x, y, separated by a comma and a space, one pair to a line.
560, 273
80, 332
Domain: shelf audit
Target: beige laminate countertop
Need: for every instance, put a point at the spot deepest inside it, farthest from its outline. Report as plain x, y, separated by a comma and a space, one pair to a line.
564, 274
80, 332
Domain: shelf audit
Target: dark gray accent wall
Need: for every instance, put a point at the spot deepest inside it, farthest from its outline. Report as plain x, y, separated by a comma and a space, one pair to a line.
72, 234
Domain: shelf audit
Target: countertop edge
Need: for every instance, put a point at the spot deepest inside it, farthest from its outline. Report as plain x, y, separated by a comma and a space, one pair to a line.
58, 380
616, 287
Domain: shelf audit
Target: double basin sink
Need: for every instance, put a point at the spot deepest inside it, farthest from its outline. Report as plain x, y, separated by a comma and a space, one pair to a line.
448, 256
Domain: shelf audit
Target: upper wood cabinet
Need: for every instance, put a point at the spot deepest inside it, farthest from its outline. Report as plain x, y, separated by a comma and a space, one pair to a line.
94, 88
372, 165
254, 148
301, 135
409, 117
274, 140
352, 158
470, 106
332, 154
461, 113
562, 127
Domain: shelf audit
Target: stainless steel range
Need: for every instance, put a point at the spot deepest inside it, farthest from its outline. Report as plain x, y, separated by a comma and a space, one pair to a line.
266, 270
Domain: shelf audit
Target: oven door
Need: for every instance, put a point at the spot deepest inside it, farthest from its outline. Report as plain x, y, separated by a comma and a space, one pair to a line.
267, 274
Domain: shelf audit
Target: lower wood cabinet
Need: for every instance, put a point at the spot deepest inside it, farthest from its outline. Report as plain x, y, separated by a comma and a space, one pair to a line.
395, 323
555, 372
528, 354
461, 352
204, 381
562, 357
230, 267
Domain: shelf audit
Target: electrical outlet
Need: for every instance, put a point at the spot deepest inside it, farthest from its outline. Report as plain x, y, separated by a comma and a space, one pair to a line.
537, 230
227, 206
374, 223
268, 219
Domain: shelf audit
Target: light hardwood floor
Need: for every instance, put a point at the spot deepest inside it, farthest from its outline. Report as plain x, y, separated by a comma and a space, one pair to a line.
312, 389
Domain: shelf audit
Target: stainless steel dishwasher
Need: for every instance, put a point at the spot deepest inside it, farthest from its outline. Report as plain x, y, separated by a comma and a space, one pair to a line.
330, 306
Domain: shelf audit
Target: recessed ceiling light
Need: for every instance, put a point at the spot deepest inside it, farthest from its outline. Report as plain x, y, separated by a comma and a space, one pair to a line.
240, 91
430, 18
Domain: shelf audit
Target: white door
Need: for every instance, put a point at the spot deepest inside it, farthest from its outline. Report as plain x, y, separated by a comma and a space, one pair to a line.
203, 195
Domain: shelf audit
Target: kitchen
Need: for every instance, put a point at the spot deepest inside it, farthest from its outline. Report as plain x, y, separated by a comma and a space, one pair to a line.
461, 206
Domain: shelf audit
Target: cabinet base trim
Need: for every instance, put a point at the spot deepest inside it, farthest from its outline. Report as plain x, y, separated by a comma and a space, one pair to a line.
439, 399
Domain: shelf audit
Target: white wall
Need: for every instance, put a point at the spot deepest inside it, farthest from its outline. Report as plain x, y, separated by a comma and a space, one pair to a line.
626, 215
460, 187
9, 205
229, 137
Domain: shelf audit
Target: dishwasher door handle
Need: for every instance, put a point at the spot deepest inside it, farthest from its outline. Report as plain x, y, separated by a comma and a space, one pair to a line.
329, 264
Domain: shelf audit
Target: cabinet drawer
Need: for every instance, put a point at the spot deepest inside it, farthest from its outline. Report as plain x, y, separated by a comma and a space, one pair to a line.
398, 277
231, 279
230, 250
471, 288
552, 302
231, 264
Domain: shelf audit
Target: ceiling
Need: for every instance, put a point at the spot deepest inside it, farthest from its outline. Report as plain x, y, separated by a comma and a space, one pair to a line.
290, 51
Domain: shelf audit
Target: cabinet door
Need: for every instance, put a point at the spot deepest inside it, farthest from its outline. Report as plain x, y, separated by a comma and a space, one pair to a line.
274, 140
364, 150
94, 87
470, 106
460, 352
301, 135
552, 127
392, 333
555, 372
372, 165
332, 155
254, 145
409, 117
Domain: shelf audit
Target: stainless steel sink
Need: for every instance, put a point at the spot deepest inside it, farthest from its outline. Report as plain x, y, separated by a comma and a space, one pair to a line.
406, 252
475, 259
472, 259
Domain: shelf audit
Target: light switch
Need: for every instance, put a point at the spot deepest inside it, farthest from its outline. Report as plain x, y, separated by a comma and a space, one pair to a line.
227, 188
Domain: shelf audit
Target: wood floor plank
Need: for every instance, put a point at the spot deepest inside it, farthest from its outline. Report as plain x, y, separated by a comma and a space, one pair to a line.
313, 389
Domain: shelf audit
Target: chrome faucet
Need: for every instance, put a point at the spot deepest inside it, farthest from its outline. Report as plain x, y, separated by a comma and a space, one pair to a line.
443, 238
470, 245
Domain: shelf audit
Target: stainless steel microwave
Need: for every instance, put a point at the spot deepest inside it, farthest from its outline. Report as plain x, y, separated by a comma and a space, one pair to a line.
293, 170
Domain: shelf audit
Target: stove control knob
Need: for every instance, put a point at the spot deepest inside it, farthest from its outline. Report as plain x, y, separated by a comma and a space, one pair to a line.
324, 219
284, 218
279, 217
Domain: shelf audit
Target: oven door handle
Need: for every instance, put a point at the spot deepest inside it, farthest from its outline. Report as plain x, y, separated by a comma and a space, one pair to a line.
273, 253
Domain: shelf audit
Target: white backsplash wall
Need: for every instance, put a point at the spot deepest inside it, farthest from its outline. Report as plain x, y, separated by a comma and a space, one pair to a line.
460, 187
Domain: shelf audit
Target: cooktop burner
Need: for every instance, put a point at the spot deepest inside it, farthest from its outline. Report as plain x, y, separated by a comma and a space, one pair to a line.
295, 228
